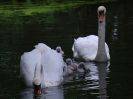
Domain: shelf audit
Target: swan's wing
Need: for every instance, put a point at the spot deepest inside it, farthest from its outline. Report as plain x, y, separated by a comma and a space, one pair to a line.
86, 47
27, 66
53, 64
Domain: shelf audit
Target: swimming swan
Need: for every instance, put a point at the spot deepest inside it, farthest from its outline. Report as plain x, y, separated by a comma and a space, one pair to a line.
93, 48
42, 65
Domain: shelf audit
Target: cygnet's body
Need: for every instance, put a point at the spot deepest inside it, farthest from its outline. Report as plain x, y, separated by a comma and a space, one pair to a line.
70, 67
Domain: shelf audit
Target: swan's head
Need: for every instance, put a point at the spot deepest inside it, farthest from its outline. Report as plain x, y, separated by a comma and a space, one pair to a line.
68, 61
37, 87
101, 13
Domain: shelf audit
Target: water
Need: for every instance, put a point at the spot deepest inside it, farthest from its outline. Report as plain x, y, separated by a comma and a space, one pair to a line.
20, 33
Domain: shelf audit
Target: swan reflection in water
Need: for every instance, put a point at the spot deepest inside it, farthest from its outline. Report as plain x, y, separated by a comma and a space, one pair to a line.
47, 93
103, 69
96, 78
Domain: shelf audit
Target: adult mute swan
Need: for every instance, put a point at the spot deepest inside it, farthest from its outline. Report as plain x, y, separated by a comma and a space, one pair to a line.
42, 65
93, 48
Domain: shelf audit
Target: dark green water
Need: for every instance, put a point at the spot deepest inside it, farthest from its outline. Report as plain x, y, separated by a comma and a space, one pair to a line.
20, 33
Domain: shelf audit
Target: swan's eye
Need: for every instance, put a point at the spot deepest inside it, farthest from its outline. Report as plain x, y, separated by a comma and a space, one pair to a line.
101, 12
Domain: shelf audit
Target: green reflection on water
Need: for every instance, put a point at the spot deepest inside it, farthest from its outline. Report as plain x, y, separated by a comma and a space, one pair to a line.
29, 9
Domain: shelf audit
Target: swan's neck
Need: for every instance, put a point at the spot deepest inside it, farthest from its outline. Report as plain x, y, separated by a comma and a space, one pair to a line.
37, 79
37, 73
101, 52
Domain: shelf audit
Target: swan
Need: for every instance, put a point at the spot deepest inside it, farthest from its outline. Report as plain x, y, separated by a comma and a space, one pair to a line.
30, 68
42, 66
93, 48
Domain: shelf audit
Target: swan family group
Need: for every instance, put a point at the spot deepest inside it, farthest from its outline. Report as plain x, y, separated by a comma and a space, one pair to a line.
44, 67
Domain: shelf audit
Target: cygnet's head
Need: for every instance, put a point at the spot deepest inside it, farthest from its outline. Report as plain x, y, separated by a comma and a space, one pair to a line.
101, 13
37, 87
68, 61
81, 66
59, 50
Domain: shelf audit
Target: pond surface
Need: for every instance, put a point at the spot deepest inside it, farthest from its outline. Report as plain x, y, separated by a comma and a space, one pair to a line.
114, 80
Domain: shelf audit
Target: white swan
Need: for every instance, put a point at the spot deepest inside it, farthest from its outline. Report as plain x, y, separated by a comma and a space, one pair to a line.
42, 65
93, 48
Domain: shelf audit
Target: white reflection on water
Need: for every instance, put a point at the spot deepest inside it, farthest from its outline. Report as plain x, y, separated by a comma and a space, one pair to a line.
115, 28
47, 93
96, 78
103, 71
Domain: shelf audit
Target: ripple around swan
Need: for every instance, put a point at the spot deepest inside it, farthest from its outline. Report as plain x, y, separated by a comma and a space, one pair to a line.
47, 93
94, 82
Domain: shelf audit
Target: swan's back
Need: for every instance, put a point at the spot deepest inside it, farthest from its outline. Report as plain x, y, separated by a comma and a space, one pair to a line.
53, 64
86, 47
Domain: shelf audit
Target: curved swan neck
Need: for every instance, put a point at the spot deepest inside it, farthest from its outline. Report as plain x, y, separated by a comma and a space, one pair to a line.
37, 74
101, 52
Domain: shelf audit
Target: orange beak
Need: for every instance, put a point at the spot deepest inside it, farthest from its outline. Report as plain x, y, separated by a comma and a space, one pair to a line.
37, 90
100, 18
